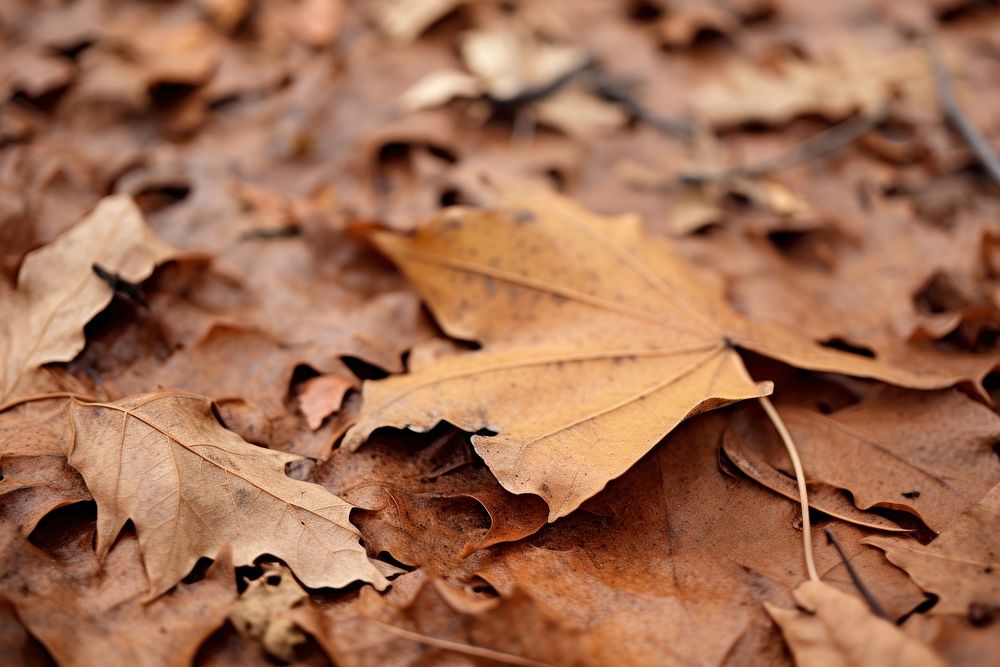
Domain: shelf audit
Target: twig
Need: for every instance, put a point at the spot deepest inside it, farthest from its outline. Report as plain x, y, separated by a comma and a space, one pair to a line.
541, 91
873, 603
617, 93
458, 647
981, 148
123, 288
818, 145
800, 477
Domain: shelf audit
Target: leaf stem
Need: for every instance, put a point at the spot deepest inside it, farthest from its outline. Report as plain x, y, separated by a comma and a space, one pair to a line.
38, 397
800, 477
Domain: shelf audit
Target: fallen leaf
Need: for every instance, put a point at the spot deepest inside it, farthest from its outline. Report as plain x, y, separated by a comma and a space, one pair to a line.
960, 565
887, 452
833, 629
404, 20
565, 302
263, 611
46, 315
86, 612
189, 486
426, 621
719, 545
321, 396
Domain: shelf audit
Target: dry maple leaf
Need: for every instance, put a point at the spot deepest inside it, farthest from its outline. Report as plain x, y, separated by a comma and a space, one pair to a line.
620, 338
836, 630
190, 486
58, 291
960, 566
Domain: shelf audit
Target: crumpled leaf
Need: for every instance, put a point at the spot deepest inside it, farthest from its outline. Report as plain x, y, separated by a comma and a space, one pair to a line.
960, 566
404, 20
567, 303
190, 486
262, 611
90, 613
834, 629
44, 318
929, 454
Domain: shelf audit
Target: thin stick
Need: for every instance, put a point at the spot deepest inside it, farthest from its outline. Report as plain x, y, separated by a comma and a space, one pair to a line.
872, 601
818, 145
981, 148
458, 647
800, 477
617, 93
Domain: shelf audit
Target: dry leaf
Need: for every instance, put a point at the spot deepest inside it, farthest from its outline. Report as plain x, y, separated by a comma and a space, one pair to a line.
90, 613
889, 451
262, 611
567, 303
45, 317
404, 20
426, 621
960, 566
321, 396
190, 486
834, 629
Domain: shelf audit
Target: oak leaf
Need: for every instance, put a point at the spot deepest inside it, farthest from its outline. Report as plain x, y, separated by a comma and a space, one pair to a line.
960, 566
190, 486
45, 317
837, 630
608, 324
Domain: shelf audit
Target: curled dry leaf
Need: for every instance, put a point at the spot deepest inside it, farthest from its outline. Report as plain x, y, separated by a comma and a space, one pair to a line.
90, 613
570, 304
960, 566
887, 451
44, 318
190, 486
834, 629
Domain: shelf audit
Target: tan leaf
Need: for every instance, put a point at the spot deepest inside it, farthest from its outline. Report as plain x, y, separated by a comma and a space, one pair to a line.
91, 613
404, 20
44, 318
835, 629
848, 80
190, 486
960, 566
621, 338
322, 396
262, 612
887, 451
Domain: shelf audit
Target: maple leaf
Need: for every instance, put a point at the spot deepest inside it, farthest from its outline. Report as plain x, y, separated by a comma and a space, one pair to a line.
617, 334
836, 630
960, 565
190, 486
46, 315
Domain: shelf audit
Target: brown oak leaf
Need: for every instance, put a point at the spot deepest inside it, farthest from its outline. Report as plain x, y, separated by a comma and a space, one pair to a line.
189, 485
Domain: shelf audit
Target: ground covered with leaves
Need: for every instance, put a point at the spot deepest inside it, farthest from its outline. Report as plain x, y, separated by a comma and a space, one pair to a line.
548, 332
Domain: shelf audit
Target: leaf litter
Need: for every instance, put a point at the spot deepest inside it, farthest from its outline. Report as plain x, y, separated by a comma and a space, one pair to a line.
238, 327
